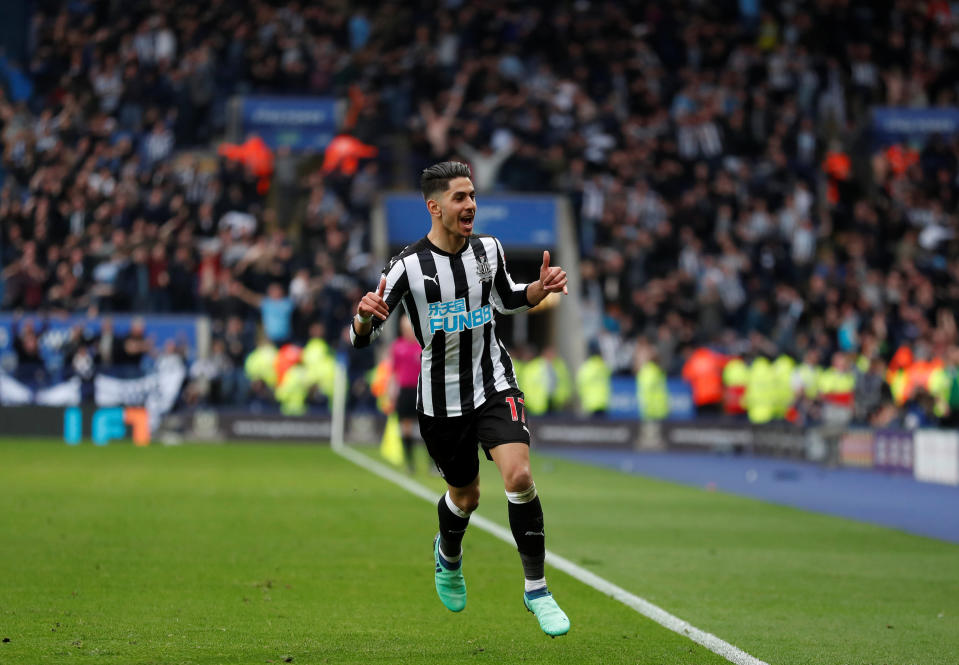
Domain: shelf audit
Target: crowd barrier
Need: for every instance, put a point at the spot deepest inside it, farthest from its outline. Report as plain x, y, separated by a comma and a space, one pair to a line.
930, 455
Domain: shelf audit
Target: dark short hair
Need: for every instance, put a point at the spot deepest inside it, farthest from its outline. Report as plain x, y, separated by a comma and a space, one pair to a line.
437, 177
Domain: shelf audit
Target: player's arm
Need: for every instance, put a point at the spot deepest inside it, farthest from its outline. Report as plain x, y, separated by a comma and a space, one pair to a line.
251, 298
515, 297
508, 296
375, 307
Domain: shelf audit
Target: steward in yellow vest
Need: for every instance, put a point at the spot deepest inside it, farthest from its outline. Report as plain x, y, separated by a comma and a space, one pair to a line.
760, 397
593, 385
260, 365
652, 394
735, 378
536, 385
320, 365
293, 391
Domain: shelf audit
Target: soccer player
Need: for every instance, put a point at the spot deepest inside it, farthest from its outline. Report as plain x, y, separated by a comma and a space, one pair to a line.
449, 283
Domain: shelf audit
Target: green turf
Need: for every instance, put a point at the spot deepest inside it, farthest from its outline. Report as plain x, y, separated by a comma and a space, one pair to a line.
255, 554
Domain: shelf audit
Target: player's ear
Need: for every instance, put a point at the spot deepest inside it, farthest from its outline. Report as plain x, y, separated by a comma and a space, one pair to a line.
434, 207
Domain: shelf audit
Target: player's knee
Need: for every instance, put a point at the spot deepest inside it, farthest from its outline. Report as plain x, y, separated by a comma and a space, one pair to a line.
470, 503
467, 500
518, 478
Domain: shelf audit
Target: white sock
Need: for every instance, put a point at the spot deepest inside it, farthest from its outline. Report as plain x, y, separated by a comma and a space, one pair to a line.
533, 585
524, 496
456, 510
451, 559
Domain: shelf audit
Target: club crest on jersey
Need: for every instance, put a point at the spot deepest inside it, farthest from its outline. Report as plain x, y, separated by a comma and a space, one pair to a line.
483, 269
451, 316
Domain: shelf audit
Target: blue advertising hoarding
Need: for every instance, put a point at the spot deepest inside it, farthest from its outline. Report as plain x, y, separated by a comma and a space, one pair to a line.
526, 222
895, 124
302, 123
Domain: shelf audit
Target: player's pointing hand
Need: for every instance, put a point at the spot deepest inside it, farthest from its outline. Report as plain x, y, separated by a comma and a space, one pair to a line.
372, 304
553, 278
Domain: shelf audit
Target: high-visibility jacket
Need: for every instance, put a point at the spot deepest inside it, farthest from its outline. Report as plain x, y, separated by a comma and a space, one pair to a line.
735, 378
259, 365
562, 389
536, 385
901, 359
652, 393
286, 357
918, 374
784, 396
898, 381
704, 372
760, 398
940, 386
519, 371
293, 390
593, 384
379, 378
837, 387
320, 365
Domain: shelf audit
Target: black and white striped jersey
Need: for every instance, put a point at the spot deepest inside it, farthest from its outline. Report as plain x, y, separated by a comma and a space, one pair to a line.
450, 300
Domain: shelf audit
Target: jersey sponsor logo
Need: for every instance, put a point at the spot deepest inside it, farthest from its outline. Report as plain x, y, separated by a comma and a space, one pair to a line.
451, 316
483, 270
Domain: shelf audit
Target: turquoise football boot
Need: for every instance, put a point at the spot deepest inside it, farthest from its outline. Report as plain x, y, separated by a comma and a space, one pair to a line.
450, 585
552, 619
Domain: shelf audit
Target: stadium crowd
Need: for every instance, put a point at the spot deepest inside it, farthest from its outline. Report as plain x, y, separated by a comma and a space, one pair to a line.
726, 188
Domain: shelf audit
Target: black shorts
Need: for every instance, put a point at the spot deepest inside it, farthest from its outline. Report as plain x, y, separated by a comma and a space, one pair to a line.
406, 403
451, 442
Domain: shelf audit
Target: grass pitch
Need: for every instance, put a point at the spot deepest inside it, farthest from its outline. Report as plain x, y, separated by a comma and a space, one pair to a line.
258, 554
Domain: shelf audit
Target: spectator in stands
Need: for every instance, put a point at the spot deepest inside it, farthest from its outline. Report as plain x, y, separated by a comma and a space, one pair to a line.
275, 308
692, 144
210, 381
134, 349
26, 346
237, 345
25, 279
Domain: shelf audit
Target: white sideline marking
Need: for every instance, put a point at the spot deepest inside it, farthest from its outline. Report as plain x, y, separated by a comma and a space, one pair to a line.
720, 647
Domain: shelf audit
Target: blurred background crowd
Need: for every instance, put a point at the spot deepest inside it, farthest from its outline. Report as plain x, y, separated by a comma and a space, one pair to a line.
718, 158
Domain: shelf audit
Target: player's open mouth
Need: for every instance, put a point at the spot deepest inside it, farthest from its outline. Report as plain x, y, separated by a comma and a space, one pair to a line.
467, 222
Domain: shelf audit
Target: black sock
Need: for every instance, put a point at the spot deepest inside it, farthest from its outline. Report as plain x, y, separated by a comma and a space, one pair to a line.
526, 523
408, 450
452, 529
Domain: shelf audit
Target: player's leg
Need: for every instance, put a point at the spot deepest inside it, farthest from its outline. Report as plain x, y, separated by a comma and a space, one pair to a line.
451, 443
454, 509
525, 510
502, 429
526, 523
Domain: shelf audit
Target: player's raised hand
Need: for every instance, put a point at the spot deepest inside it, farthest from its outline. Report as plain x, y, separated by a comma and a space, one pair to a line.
552, 278
372, 304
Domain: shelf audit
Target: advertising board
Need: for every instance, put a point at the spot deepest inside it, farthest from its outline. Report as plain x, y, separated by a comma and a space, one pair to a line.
912, 125
937, 456
301, 123
893, 450
525, 222
856, 448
